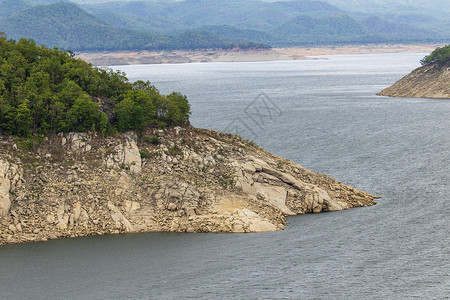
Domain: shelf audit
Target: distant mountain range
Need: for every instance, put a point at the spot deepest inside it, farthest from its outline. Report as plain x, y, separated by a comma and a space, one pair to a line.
202, 24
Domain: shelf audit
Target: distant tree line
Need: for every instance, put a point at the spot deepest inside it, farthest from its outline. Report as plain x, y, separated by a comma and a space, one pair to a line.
440, 56
45, 90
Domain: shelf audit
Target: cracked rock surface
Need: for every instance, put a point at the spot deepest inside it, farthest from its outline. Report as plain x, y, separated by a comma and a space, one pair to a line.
178, 179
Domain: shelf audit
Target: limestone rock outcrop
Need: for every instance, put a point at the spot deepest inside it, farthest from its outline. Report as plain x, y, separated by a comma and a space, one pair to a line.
186, 180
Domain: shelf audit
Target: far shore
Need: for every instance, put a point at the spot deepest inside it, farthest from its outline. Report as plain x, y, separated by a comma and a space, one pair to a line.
198, 56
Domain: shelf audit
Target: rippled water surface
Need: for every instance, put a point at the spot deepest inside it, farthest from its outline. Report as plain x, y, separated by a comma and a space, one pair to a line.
328, 119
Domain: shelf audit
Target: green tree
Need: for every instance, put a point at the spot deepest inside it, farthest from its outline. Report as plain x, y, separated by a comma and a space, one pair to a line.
84, 114
7, 117
440, 56
135, 111
28, 49
104, 125
178, 109
112, 84
24, 119
128, 115
68, 91
58, 116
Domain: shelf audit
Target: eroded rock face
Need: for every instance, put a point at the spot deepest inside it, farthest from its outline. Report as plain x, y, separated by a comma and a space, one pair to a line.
194, 180
9, 179
5, 184
78, 141
126, 155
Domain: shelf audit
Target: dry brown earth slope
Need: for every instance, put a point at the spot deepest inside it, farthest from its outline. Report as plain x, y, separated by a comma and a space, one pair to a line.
430, 81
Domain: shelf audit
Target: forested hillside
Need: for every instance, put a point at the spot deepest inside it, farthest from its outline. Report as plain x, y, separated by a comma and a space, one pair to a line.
10, 7
46, 90
315, 30
205, 24
68, 26
279, 23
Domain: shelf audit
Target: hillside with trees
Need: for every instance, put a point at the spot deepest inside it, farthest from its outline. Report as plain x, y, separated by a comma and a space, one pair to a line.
213, 24
45, 90
10, 7
68, 26
279, 23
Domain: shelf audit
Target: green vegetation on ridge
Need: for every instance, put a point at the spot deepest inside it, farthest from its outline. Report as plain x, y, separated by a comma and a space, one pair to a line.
46, 90
440, 56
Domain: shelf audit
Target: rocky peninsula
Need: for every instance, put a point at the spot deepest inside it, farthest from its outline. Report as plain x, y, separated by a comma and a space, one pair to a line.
432, 80
180, 179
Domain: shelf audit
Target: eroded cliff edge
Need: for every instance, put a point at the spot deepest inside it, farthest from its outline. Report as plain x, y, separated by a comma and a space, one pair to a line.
180, 180
429, 81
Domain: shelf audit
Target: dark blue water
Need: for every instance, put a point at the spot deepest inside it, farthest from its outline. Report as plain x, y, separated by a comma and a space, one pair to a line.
322, 114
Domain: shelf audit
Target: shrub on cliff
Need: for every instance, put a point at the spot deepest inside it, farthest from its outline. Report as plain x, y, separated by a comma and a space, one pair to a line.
440, 56
46, 90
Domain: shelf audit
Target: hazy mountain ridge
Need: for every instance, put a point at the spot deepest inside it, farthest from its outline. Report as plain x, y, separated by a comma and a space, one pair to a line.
383, 26
200, 24
68, 26
272, 17
10, 7
390, 5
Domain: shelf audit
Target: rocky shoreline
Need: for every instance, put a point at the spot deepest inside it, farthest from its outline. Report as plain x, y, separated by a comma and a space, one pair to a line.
174, 180
430, 81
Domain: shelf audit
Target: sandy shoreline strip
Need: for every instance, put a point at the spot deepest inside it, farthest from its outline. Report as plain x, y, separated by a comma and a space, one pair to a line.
294, 53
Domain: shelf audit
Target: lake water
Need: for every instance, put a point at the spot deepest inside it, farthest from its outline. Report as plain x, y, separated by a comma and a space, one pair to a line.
322, 114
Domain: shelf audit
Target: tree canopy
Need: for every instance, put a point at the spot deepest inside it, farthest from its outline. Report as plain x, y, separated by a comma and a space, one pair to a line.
440, 56
45, 90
